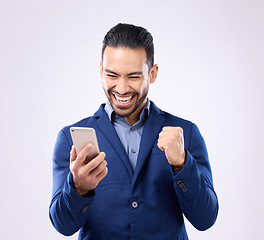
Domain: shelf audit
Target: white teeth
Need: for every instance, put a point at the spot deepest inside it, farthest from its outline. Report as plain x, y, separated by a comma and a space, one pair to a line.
123, 99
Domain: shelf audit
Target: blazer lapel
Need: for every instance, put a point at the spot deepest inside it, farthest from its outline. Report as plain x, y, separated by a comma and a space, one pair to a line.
110, 134
152, 128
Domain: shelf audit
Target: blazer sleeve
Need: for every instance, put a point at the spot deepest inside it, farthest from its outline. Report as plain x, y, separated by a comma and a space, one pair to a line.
194, 184
68, 210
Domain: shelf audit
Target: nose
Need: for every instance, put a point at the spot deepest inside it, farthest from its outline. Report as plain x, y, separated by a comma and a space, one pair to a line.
122, 86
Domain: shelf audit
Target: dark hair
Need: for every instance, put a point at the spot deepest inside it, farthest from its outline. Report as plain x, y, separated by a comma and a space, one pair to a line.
128, 35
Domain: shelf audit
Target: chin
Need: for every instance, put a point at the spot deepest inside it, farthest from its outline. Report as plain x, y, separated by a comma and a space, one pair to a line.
124, 112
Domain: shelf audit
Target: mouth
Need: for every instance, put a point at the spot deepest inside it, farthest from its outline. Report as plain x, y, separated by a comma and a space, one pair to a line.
123, 101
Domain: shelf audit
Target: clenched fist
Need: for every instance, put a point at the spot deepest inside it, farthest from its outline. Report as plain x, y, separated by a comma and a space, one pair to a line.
171, 141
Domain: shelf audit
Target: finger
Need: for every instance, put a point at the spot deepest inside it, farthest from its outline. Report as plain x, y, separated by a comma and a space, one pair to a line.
175, 133
73, 154
161, 146
171, 129
94, 167
165, 132
102, 174
166, 142
91, 165
166, 128
82, 155
98, 170
101, 168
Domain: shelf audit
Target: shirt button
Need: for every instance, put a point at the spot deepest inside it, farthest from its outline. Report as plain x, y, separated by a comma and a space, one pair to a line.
132, 129
134, 204
133, 151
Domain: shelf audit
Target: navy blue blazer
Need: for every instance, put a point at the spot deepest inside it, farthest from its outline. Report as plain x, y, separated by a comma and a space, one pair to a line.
148, 203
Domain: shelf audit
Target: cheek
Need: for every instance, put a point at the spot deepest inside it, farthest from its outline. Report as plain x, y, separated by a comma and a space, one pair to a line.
107, 85
104, 85
144, 87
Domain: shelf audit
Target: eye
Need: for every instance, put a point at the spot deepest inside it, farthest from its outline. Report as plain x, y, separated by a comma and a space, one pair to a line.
134, 77
111, 76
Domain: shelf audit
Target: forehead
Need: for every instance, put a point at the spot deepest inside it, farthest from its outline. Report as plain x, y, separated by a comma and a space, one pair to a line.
120, 58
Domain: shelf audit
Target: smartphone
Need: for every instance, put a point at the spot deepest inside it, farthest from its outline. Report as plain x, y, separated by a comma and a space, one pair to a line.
81, 136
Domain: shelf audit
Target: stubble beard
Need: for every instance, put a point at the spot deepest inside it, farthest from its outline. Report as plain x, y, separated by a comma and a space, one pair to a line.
137, 105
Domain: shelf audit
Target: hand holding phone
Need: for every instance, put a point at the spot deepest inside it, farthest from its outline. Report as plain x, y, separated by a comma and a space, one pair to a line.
89, 167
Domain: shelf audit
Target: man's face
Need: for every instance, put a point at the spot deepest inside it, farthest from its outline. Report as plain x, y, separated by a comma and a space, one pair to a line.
126, 78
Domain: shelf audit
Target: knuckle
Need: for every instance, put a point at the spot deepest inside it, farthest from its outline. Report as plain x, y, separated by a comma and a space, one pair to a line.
81, 155
73, 168
179, 129
105, 163
93, 182
104, 174
81, 174
170, 142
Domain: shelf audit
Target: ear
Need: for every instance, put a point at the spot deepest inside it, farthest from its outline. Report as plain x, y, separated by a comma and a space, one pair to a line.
101, 70
153, 73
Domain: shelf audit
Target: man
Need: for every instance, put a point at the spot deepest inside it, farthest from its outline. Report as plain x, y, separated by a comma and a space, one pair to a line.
153, 167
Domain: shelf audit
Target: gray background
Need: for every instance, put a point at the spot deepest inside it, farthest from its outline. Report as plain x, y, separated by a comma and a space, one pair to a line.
210, 55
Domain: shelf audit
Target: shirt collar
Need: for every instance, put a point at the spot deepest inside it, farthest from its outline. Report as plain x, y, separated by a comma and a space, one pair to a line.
113, 116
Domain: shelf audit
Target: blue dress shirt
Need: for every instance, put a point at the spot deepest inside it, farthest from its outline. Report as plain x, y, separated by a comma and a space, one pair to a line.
130, 136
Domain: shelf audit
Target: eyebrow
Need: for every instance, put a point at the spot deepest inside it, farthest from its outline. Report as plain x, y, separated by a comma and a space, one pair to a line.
129, 74
134, 73
109, 71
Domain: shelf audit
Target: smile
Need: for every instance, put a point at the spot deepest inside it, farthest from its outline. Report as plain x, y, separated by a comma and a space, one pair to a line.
123, 99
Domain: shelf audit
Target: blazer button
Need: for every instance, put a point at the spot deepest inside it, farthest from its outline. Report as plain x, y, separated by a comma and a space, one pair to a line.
134, 204
182, 186
85, 208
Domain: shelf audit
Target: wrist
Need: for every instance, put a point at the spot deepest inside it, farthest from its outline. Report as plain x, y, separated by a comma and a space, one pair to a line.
81, 192
179, 167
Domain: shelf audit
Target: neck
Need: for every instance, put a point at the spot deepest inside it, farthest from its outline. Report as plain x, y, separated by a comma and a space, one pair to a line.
134, 117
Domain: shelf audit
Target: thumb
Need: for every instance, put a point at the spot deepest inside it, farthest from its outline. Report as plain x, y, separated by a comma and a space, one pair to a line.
73, 154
